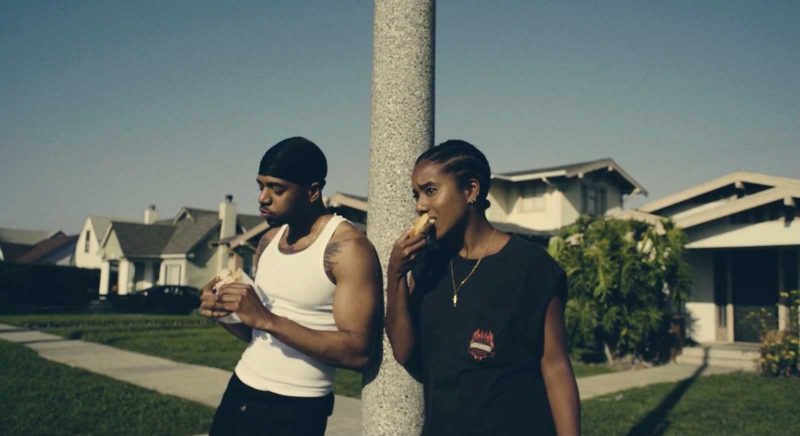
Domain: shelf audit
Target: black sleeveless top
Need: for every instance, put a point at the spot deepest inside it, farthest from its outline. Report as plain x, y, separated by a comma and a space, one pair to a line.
480, 360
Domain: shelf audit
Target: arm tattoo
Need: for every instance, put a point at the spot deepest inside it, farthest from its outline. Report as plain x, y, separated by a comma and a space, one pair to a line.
329, 261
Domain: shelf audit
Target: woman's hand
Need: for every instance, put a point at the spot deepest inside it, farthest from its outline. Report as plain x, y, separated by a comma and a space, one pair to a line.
404, 252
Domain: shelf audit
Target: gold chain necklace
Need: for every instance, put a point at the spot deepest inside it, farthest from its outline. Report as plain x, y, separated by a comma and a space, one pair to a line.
291, 246
453, 275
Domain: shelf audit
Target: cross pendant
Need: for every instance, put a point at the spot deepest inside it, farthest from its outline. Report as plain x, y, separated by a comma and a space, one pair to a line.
455, 299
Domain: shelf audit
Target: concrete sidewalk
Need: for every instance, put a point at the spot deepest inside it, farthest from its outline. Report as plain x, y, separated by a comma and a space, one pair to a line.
205, 385
619, 381
192, 382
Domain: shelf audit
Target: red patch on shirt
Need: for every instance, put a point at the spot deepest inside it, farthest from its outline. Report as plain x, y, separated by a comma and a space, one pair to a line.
481, 346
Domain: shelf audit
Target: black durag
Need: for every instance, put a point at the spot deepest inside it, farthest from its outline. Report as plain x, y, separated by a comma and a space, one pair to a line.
296, 160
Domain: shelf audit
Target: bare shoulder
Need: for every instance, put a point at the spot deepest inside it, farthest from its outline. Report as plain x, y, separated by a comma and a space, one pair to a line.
349, 251
266, 238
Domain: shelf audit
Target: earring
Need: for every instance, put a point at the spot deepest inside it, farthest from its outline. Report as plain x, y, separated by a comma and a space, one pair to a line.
471, 202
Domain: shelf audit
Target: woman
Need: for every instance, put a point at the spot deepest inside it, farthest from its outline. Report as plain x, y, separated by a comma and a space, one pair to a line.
480, 320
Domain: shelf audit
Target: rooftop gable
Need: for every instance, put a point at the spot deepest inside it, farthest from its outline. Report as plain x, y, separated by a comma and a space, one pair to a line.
576, 170
100, 224
736, 179
788, 194
140, 239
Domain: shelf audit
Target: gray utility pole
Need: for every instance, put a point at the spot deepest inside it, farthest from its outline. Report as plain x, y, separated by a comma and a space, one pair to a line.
402, 128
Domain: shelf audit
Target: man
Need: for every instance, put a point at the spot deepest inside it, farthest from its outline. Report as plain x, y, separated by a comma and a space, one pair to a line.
320, 285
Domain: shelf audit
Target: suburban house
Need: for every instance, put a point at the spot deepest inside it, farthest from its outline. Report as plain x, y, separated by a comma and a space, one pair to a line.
16, 242
87, 248
743, 247
183, 250
539, 202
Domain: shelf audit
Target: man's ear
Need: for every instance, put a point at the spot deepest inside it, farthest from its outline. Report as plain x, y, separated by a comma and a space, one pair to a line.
314, 192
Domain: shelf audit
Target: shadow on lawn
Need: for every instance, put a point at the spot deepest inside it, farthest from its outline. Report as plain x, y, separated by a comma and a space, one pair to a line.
656, 423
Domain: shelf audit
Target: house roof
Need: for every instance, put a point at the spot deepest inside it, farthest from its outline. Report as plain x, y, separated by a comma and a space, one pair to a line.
24, 237
175, 236
189, 233
47, 247
10, 251
789, 195
101, 224
575, 170
733, 179
141, 239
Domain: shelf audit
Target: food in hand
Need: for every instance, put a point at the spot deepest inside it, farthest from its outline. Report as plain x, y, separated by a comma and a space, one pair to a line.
227, 277
422, 225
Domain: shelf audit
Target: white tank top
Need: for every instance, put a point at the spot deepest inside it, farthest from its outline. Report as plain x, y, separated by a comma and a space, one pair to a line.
296, 287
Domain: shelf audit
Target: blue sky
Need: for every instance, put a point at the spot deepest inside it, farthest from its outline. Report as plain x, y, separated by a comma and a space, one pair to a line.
108, 106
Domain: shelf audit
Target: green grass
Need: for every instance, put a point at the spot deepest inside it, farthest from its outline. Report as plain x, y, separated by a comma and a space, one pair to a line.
31, 389
191, 339
38, 397
726, 404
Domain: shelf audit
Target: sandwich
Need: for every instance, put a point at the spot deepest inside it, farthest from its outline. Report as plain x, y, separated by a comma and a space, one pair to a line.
421, 225
227, 277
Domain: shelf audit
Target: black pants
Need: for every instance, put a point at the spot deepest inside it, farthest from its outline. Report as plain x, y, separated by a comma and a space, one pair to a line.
246, 411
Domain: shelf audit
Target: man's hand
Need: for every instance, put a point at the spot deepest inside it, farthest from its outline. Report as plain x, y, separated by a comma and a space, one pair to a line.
208, 301
243, 300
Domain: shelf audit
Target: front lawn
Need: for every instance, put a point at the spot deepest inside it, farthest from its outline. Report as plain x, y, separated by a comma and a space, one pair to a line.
727, 404
39, 397
722, 404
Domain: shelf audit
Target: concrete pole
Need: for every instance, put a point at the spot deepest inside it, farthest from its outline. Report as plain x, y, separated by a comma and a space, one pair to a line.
402, 128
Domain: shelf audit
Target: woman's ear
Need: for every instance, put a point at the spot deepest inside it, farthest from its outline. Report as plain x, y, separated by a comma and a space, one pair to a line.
473, 190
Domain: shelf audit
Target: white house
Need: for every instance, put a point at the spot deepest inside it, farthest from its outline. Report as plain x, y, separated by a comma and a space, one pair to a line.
87, 249
542, 201
743, 243
182, 250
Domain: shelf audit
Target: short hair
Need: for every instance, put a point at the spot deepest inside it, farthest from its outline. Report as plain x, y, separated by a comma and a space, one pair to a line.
464, 161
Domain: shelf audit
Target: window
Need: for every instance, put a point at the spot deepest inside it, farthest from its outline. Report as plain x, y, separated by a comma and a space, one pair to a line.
532, 198
87, 242
593, 200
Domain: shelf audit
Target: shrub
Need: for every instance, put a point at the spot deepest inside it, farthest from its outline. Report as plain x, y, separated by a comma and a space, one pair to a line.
780, 348
26, 287
625, 278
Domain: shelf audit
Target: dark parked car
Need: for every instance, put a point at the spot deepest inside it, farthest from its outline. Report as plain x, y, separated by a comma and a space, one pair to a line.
160, 299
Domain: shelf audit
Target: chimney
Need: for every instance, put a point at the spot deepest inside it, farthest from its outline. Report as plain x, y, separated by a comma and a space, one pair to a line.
227, 217
150, 214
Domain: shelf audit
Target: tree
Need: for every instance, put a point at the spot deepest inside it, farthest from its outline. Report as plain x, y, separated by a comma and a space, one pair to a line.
627, 279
